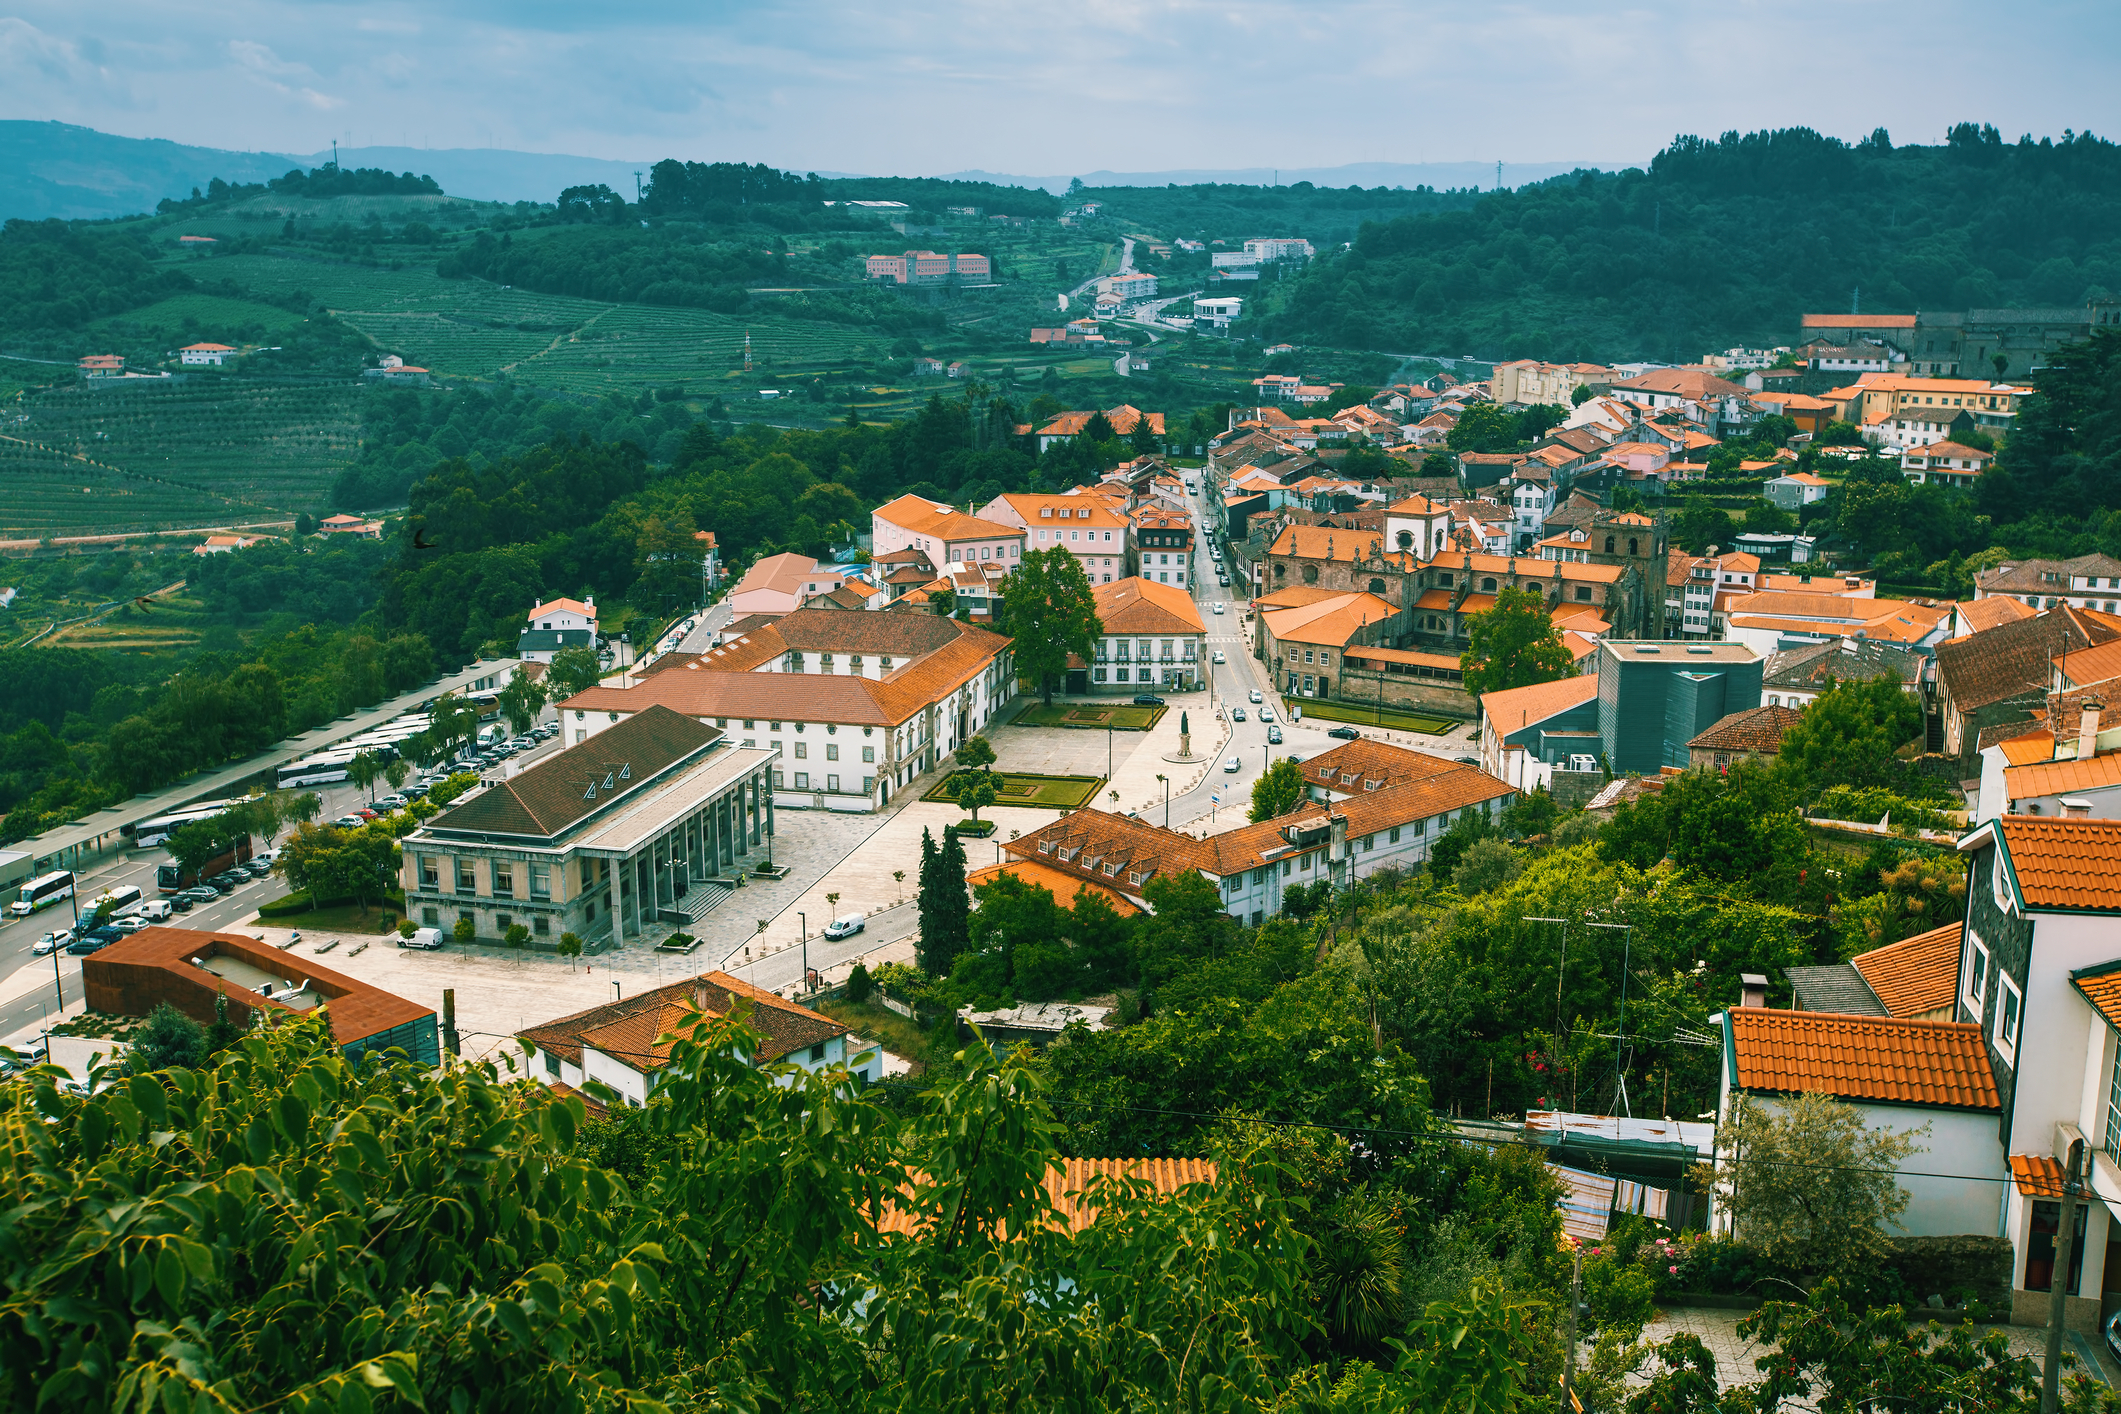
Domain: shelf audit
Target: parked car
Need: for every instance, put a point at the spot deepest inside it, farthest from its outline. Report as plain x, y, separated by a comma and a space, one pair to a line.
1147, 699
257, 868
1467, 760
1346, 733
1255, 697
847, 925
49, 943
1223, 580
182, 903
1233, 765
349, 822
130, 924
364, 813
92, 941
1237, 714
1274, 736
200, 893
392, 802
425, 939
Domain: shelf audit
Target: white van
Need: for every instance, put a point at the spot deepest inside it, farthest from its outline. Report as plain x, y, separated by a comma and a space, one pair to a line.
846, 925
155, 910
426, 939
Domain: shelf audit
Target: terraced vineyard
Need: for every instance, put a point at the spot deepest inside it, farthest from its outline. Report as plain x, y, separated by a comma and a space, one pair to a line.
172, 454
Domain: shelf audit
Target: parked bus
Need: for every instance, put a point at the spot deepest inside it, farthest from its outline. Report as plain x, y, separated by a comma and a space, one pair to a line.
324, 769
120, 898
149, 833
170, 879
42, 892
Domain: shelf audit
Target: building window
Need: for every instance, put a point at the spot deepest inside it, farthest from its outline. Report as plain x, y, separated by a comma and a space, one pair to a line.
1973, 975
802, 780
802, 751
1394, 838
467, 877
2010, 1006
2113, 1110
817, 1052
780, 779
430, 872
541, 925
2040, 1248
552, 1064
868, 754
541, 881
430, 916
504, 879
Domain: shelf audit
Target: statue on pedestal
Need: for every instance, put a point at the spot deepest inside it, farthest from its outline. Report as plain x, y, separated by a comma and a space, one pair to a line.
1185, 736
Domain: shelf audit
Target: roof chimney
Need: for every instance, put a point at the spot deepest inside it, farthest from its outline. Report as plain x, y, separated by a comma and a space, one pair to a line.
1752, 990
2088, 729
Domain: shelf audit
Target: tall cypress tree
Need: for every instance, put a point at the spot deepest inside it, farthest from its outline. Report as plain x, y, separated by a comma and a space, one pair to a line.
953, 901
926, 899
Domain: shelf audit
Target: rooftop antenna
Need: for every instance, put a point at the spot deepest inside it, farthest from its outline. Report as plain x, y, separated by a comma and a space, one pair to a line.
636, 188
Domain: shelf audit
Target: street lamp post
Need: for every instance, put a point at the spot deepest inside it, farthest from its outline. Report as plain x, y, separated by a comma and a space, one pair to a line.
804, 920
1167, 799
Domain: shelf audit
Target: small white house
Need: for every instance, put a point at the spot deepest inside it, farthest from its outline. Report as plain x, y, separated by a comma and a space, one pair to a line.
617, 1044
205, 355
1221, 311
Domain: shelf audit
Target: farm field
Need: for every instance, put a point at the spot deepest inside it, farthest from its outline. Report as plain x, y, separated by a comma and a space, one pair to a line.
171, 454
170, 319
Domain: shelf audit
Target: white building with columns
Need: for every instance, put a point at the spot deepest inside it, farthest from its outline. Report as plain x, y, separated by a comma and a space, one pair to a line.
605, 840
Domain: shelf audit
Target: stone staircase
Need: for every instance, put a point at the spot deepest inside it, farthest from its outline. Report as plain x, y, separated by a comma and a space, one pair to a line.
698, 902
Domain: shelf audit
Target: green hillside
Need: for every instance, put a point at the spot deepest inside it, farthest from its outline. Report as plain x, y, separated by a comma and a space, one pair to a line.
1724, 242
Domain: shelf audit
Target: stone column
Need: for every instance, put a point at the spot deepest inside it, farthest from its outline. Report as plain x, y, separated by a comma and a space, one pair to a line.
617, 901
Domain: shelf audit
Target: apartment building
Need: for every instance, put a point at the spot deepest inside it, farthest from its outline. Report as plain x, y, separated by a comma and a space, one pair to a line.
942, 532
1899, 411
927, 267
1527, 381
1153, 637
1163, 540
1088, 527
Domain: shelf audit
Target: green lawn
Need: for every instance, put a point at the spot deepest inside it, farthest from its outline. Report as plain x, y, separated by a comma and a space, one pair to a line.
873, 1021
1024, 788
1124, 717
376, 918
1370, 717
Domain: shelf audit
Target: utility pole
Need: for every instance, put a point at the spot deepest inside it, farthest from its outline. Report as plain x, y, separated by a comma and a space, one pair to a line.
1498, 174
450, 1041
2058, 1284
636, 188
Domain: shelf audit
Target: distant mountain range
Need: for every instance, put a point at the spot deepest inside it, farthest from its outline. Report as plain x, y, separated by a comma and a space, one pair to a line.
1443, 176
57, 169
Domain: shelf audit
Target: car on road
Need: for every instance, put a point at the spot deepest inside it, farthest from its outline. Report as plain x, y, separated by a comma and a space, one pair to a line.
1467, 760
1216, 656
1223, 580
182, 903
1218, 606
393, 802
1233, 765
198, 893
257, 868
847, 925
1266, 714
49, 943
130, 925
1274, 736
1147, 699
349, 822
1346, 733
1255, 697
1237, 714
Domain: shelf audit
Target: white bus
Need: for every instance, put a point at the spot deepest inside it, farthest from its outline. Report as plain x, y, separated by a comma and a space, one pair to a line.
120, 898
323, 769
42, 892
149, 833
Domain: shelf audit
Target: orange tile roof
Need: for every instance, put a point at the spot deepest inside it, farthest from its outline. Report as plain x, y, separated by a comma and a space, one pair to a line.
1295, 596
2037, 1175
1062, 886
2090, 665
1757, 729
1915, 975
631, 1029
1370, 765
1333, 621
1135, 605
1067, 1183
1996, 609
2061, 777
2101, 986
1877, 1058
2072, 864
1538, 702
1319, 542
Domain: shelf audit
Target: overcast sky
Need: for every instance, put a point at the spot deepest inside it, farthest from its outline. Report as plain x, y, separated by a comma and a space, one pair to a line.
1053, 86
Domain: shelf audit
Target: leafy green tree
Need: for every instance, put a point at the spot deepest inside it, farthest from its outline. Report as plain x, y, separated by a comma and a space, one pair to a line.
570, 947
169, 1038
302, 809
1278, 790
191, 845
1766, 518
397, 772
521, 700
1700, 525
1021, 927
1050, 611
1188, 926
1514, 644
975, 791
859, 984
1849, 735
976, 753
1487, 864
573, 670
363, 771
1451, 846
465, 931
944, 904
1483, 427
517, 936
1809, 1184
